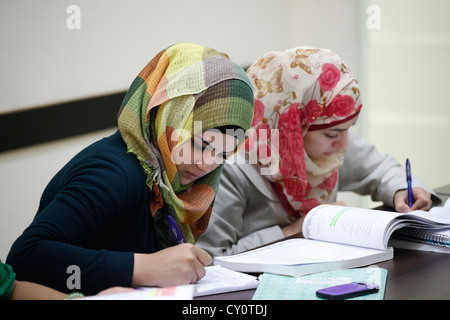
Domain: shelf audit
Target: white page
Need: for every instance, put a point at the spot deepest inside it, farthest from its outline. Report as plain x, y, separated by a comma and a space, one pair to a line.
297, 252
219, 279
436, 214
347, 225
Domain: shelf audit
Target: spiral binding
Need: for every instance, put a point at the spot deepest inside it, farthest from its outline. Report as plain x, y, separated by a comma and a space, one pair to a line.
422, 236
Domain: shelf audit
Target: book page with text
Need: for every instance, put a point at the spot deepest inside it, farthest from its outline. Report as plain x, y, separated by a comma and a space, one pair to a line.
347, 225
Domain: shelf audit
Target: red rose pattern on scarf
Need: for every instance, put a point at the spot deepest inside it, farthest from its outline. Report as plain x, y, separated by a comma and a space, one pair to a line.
297, 90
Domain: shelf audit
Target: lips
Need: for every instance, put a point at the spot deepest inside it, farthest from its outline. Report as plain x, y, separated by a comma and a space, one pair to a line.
192, 176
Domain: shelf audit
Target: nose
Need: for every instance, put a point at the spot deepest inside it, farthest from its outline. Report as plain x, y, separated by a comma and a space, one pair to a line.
342, 142
205, 163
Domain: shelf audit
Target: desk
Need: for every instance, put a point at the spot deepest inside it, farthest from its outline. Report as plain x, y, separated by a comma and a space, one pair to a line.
412, 274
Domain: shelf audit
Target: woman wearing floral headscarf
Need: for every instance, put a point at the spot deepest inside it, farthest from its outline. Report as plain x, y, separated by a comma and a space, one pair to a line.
104, 218
306, 99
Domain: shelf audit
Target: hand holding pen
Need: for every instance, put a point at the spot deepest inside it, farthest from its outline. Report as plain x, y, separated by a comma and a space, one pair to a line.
176, 265
412, 199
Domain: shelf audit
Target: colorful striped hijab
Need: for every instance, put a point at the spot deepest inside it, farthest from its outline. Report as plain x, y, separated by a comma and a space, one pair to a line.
299, 90
183, 84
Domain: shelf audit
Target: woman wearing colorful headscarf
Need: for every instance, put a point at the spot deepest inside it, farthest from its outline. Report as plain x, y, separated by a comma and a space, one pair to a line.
113, 216
306, 99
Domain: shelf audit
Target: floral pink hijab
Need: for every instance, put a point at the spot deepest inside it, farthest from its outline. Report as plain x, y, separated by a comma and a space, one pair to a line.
296, 91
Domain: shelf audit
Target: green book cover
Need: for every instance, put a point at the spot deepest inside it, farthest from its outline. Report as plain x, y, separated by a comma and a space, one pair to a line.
277, 287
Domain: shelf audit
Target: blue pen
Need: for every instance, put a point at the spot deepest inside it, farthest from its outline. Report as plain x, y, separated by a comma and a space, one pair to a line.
174, 231
408, 180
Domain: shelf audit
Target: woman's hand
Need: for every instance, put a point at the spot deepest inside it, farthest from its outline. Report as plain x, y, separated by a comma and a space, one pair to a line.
296, 226
178, 265
422, 200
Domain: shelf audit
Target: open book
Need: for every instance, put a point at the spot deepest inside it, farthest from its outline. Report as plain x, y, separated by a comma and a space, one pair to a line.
336, 237
373, 228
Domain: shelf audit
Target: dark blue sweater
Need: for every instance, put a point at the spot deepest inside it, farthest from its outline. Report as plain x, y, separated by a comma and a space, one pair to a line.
93, 214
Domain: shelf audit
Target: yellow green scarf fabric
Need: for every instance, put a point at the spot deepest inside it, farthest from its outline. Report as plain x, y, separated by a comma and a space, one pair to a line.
182, 84
7, 278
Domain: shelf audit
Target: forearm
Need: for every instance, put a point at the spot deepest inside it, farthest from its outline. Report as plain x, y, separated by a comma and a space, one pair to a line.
228, 246
256, 239
48, 262
367, 171
24, 290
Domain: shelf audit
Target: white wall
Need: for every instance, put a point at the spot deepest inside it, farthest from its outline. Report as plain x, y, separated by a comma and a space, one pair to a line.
43, 62
406, 69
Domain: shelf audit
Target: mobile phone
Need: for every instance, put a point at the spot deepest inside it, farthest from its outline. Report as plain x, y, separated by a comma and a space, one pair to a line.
348, 290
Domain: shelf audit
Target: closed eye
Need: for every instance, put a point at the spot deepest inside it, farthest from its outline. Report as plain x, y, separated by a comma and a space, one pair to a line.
205, 145
331, 136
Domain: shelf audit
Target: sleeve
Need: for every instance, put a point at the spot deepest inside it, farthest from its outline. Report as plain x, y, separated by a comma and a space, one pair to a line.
234, 201
369, 172
7, 279
71, 230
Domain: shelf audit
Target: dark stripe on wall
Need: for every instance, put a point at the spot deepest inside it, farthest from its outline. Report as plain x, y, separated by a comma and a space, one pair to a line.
34, 126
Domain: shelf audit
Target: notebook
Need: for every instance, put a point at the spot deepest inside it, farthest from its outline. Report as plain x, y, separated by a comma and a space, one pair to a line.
221, 280
424, 239
217, 280
278, 287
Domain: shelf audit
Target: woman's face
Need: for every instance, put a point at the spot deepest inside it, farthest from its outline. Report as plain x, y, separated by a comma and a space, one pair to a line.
202, 154
320, 144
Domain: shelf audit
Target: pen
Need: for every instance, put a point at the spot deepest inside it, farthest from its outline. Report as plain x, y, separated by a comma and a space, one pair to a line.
174, 231
408, 181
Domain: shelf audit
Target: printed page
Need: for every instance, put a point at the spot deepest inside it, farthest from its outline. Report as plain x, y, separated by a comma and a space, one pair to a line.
347, 225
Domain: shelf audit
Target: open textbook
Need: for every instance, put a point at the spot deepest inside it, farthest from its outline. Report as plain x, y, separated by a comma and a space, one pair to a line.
373, 228
336, 237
